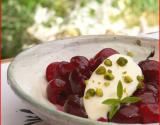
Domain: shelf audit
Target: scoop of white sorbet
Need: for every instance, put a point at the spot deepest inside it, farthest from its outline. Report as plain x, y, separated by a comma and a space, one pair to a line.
93, 105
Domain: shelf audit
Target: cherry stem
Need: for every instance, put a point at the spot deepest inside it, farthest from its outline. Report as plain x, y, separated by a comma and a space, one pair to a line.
151, 53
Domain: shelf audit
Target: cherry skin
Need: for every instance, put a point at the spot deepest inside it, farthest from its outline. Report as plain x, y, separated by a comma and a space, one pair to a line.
150, 69
52, 71
127, 114
100, 57
80, 61
57, 91
86, 73
82, 64
77, 81
153, 87
74, 106
101, 119
147, 98
94, 63
107, 52
64, 69
149, 113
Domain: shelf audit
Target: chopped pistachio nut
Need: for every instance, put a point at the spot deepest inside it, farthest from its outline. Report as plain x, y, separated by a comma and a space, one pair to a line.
89, 93
99, 82
93, 81
107, 83
129, 53
99, 92
140, 78
108, 62
110, 71
122, 61
109, 76
124, 72
140, 86
86, 82
127, 79
87, 96
101, 70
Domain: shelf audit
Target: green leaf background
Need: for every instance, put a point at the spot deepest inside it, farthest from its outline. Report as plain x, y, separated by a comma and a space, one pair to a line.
17, 16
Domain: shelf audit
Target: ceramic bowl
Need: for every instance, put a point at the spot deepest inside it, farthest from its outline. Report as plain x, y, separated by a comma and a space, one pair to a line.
26, 74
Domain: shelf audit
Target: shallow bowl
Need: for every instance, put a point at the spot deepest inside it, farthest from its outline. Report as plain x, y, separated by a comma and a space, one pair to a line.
26, 74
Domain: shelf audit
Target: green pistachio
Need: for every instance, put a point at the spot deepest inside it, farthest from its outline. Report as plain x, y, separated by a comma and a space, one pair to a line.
99, 82
99, 92
122, 61
86, 82
108, 62
101, 70
107, 83
109, 76
89, 93
110, 71
129, 53
140, 86
127, 79
140, 78
124, 72
87, 96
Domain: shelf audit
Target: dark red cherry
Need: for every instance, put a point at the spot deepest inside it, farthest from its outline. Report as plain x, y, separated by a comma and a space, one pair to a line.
94, 63
77, 81
57, 91
74, 106
100, 57
156, 84
52, 71
80, 62
127, 114
65, 68
101, 119
147, 98
150, 69
86, 72
105, 53
59, 107
153, 87
138, 92
149, 113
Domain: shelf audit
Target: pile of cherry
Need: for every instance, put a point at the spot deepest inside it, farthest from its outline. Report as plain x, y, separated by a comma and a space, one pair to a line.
67, 84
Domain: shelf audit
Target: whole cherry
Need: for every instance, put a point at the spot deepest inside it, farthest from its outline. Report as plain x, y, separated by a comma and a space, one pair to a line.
52, 71
77, 81
57, 91
74, 106
150, 69
100, 57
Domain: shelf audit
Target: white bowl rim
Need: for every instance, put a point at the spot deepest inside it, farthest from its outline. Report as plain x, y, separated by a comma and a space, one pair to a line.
65, 116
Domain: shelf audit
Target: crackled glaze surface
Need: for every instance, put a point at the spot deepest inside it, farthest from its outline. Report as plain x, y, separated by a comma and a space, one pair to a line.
26, 74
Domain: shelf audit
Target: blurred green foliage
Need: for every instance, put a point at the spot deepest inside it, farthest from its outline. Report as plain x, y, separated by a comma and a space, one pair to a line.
18, 15
134, 9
